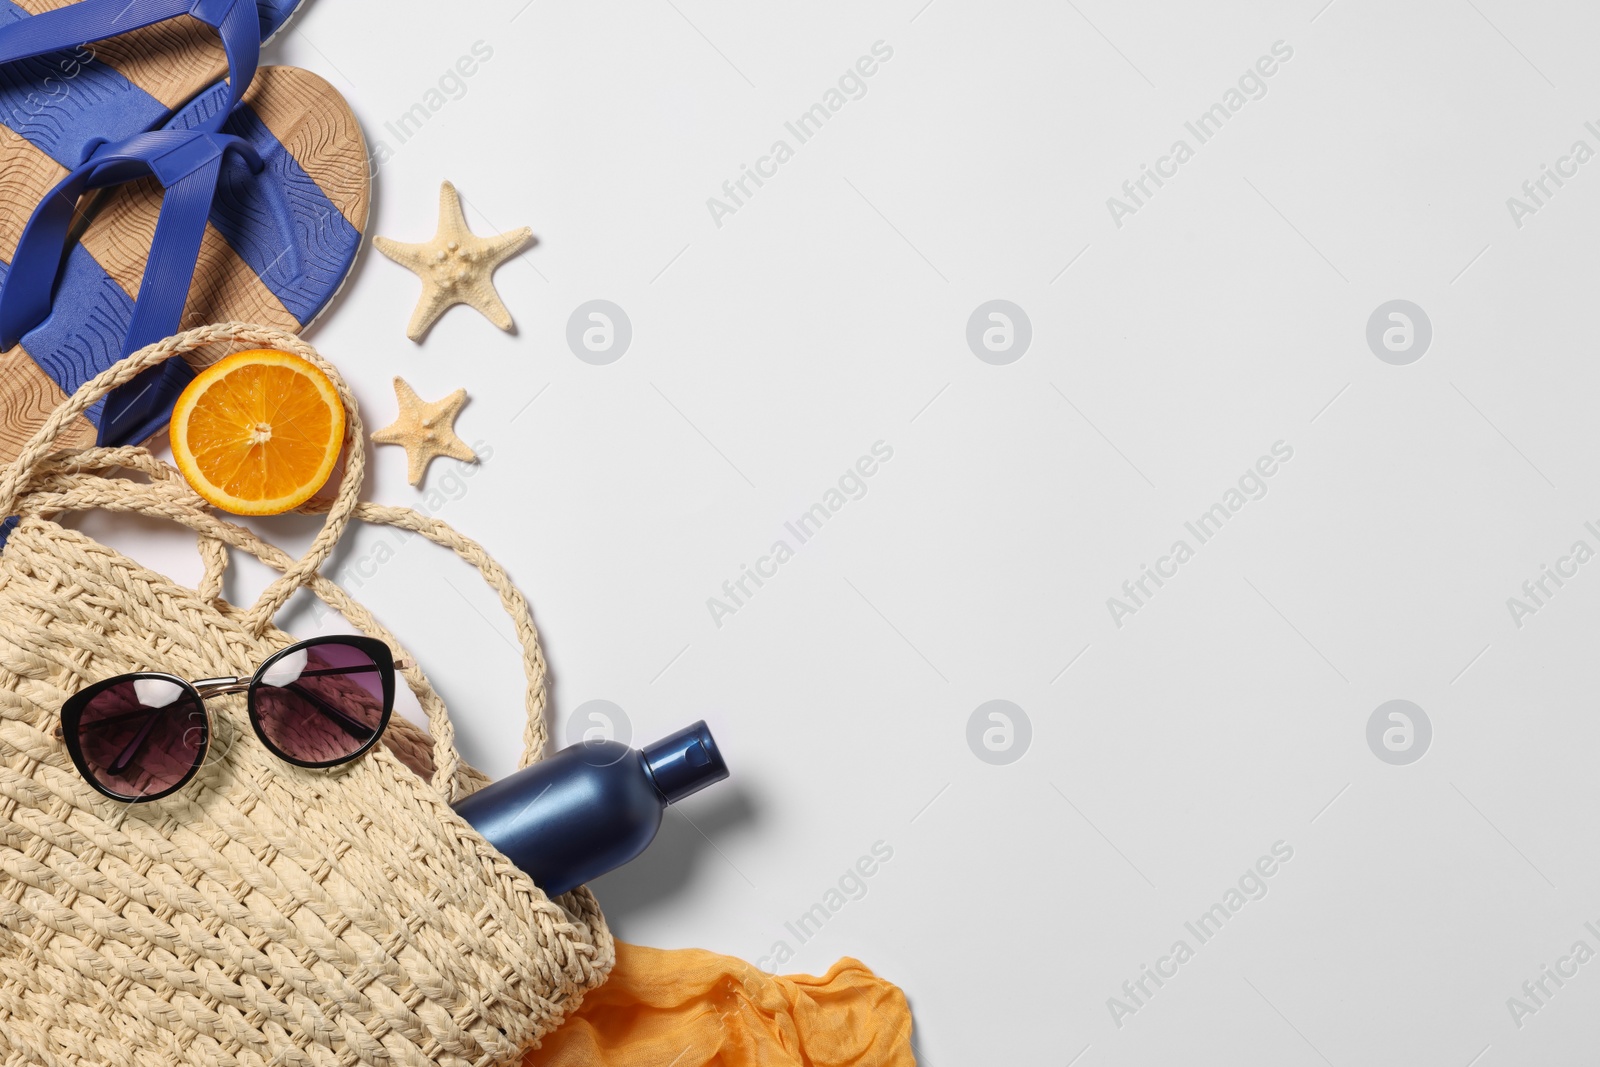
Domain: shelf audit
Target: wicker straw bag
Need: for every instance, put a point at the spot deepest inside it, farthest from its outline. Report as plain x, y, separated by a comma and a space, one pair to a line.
264, 913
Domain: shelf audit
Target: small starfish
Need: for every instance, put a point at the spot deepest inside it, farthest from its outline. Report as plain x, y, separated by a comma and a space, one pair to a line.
426, 430
456, 267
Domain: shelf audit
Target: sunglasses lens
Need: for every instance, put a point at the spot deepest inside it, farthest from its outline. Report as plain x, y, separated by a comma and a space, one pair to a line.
321, 704
142, 736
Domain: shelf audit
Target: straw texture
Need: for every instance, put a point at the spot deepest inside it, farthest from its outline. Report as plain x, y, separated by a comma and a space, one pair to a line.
264, 913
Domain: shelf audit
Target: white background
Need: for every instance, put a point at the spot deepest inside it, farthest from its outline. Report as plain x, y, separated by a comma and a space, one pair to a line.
829, 312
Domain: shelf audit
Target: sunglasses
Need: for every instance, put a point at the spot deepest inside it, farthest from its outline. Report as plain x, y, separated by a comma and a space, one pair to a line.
317, 703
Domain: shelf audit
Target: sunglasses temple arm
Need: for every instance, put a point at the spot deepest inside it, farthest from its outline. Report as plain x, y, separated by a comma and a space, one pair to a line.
350, 726
332, 672
126, 757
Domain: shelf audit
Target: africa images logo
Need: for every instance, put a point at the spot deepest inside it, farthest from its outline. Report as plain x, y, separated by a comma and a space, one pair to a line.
1251, 886
738, 591
1252, 85
1251, 485
851, 85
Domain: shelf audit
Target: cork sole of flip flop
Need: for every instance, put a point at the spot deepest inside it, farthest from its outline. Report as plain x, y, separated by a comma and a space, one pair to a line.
172, 60
312, 121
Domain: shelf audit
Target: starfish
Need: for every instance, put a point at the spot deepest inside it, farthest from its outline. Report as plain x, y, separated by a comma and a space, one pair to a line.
426, 430
456, 267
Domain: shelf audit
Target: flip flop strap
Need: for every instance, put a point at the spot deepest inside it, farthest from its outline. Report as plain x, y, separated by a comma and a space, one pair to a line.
236, 21
187, 164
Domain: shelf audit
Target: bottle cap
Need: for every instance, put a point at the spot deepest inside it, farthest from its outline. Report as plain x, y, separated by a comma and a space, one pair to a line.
685, 762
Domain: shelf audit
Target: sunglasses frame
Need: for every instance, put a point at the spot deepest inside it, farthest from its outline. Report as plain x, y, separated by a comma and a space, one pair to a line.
372, 647
201, 690
72, 714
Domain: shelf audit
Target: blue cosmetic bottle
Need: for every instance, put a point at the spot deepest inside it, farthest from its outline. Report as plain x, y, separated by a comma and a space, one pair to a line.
592, 807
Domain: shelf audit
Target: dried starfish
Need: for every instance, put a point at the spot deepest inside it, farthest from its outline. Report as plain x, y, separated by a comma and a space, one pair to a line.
456, 267
426, 430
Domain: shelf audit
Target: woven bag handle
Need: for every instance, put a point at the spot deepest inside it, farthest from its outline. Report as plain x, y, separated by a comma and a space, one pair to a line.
259, 617
70, 482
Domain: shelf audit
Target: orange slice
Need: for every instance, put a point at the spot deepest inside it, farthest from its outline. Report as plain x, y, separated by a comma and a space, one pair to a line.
259, 432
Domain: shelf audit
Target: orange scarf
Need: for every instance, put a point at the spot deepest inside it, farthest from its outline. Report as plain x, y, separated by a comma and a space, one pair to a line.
693, 1008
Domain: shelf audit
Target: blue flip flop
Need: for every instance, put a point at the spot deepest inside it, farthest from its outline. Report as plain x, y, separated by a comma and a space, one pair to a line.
250, 211
60, 100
